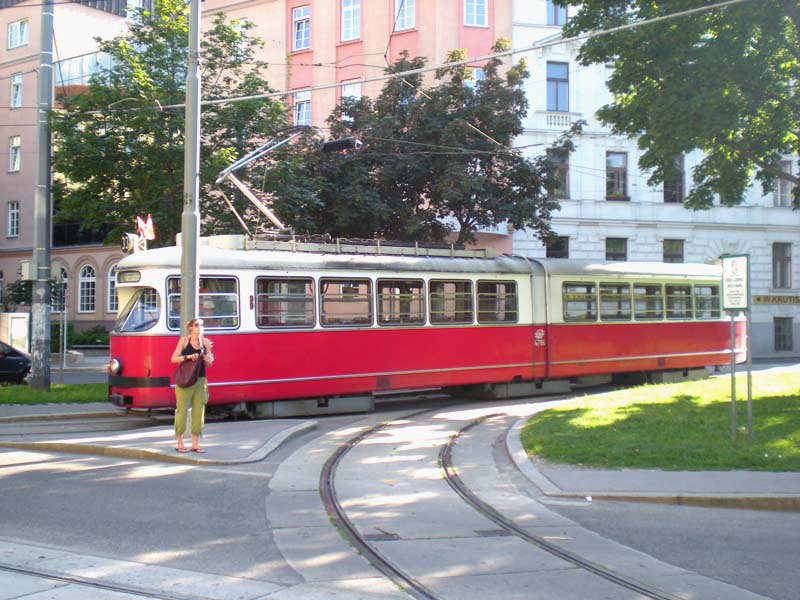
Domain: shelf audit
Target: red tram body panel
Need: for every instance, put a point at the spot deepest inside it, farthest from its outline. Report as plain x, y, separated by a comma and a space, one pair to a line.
303, 324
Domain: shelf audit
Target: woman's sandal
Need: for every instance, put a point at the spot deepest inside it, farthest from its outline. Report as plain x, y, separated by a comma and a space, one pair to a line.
198, 450
181, 450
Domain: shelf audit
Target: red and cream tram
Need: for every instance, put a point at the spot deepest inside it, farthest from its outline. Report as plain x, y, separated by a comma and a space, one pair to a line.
299, 327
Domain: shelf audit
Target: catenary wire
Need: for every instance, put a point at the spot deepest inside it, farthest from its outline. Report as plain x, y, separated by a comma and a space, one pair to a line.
541, 44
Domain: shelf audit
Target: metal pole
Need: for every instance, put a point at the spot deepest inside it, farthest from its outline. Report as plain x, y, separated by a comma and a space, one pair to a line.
40, 304
190, 218
63, 336
733, 375
749, 381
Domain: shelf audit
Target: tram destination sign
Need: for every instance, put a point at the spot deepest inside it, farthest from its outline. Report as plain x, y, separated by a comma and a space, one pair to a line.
735, 282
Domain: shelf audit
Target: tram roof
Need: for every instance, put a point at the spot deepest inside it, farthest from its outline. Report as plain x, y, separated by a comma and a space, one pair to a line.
219, 259
212, 258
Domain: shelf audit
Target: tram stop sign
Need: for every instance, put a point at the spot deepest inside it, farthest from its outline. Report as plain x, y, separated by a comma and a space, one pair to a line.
735, 283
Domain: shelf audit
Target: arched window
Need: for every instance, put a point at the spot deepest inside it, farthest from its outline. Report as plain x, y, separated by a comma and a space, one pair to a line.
86, 289
112, 302
58, 300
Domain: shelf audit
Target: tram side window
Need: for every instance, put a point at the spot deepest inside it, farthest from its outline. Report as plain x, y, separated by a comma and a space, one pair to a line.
497, 302
648, 302
401, 302
615, 302
580, 301
345, 302
451, 301
218, 302
706, 301
679, 301
141, 313
282, 302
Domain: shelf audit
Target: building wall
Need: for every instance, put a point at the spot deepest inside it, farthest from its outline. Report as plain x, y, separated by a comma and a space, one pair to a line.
587, 218
329, 60
19, 186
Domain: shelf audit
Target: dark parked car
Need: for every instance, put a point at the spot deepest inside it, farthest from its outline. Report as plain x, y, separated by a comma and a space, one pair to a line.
14, 364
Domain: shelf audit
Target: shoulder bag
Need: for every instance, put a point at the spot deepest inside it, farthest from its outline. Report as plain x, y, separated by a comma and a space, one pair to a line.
188, 371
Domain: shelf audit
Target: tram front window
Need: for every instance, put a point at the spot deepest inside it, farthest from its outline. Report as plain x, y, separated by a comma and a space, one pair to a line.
140, 314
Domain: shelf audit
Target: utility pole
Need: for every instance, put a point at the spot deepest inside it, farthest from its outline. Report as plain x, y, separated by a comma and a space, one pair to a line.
40, 305
190, 218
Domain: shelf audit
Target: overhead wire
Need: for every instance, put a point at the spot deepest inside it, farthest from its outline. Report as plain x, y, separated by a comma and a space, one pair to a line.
538, 45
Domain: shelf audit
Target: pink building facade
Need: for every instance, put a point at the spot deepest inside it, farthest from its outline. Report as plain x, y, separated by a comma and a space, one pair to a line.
86, 269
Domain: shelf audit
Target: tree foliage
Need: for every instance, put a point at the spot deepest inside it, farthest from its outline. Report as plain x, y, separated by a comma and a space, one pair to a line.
119, 146
436, 158
723, 81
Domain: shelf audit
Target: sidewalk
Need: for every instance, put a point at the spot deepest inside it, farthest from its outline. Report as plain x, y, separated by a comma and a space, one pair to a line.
225, 443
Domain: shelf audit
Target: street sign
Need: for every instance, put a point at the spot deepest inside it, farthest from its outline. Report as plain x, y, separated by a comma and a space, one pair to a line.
735, 284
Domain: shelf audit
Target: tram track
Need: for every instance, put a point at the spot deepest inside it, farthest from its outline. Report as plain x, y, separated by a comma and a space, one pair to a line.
450, 474
407, 581
96, 585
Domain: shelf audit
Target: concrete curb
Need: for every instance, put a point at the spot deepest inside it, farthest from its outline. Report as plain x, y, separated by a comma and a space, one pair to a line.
144, 454
62, 416
774, 502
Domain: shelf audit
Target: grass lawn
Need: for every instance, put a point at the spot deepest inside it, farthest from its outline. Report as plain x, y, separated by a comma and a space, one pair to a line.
682, 426
59, 394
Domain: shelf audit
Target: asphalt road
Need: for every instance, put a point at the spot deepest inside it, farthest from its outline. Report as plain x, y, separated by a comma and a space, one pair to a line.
214, 520
755, 550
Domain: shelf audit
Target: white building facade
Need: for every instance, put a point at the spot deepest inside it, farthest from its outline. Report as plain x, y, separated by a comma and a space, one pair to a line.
608, 210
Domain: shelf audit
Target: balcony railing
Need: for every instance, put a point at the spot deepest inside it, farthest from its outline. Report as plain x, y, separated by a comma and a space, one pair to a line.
552, 120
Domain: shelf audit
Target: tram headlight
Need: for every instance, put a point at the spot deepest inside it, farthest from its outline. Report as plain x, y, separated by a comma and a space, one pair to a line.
114, 367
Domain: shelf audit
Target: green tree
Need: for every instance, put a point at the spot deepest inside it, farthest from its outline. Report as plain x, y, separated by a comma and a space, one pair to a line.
436, 153
722, 81
119, 147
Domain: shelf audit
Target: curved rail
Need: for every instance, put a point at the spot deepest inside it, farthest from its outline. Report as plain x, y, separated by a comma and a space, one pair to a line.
456, 483
339, 517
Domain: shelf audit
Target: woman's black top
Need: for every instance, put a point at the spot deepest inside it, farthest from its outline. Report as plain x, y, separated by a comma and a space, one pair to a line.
189, 350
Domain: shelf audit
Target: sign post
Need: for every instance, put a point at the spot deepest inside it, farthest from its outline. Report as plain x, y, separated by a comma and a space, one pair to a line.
736, 297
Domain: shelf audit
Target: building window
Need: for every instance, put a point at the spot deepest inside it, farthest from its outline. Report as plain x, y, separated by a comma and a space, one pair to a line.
17, 34
58, 301
673, 251
560, 161
134, 6
617, 176
16, 90
558, 247
476, 74
616, 249
301, 28
783, 334
673, 185
475, 14
352, 91
13, 219
302, 108
404, 16
86, 289
240, 52
351, 20
783, 195
556, 15
112, 300
14, 152
558, 87
781, 265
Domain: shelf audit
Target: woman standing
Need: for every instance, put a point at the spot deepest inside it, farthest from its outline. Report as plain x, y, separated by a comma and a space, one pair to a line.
192, 347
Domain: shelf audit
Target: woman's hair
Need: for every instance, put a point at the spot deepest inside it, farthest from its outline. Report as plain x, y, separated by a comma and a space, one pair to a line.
191, 323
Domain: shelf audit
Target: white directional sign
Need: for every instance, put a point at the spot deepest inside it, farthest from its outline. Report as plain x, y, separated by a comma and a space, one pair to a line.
735, 284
